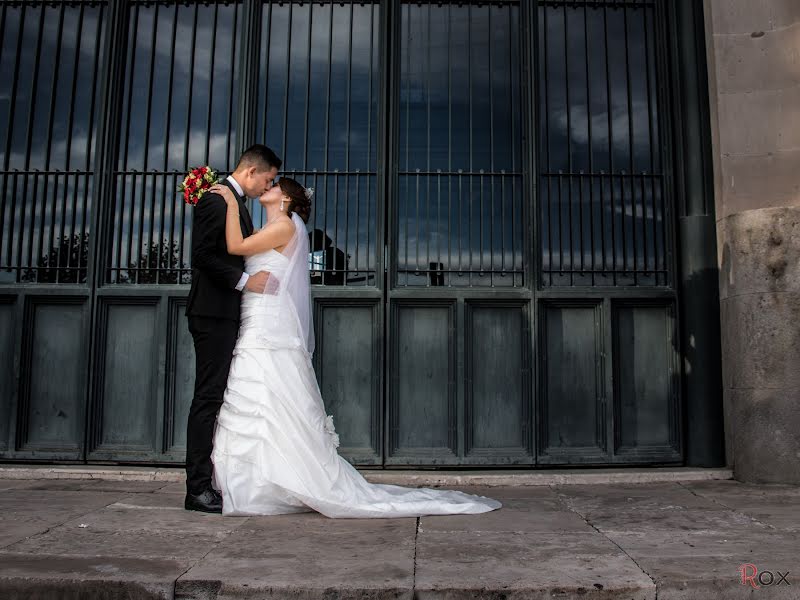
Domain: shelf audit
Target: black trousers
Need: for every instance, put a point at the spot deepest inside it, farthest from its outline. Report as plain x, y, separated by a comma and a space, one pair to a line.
214, 340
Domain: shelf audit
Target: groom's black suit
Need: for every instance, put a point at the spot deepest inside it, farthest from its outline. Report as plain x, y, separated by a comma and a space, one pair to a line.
213, 310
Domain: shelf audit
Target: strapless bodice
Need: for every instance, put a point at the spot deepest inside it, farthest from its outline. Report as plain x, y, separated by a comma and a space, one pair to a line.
267, 320
271, 260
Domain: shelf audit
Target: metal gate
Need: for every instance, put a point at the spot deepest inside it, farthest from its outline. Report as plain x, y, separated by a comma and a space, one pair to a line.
492, 243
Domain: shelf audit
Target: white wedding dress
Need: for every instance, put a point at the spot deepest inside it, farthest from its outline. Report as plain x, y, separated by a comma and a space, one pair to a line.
274, 446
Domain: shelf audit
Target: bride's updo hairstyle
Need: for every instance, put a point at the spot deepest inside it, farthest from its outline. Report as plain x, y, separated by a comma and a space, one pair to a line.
298, 202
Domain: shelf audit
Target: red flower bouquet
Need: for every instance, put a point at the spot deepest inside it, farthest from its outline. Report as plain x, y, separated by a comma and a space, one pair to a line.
196, 183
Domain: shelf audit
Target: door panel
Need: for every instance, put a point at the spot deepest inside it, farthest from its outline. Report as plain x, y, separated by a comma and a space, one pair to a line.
52, 413
127, 402
349, 368
646, 419
497, 417
572, 415
422, 410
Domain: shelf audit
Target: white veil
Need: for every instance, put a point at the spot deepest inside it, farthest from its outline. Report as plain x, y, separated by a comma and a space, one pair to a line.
294, 287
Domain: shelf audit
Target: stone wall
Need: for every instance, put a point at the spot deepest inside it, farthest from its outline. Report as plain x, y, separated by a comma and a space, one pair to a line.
754, 82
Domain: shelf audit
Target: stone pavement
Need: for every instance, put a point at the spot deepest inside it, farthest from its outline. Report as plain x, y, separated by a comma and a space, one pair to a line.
62, 538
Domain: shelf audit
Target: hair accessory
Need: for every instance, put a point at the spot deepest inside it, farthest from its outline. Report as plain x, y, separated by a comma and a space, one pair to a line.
309, 193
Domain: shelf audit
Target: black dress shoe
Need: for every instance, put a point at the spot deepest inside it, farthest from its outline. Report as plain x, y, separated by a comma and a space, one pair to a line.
207, 501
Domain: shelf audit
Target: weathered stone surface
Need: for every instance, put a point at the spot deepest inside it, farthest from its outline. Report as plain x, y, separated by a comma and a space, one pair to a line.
776, 129
525, 510
36, 576
308, 556
766, 436
760, 181
761, 342
748, 16
760, 252
24, 513
713, 577
741, 60
527, 565
566, 541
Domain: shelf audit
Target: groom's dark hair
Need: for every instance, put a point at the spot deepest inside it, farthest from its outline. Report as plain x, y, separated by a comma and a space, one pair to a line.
260, 157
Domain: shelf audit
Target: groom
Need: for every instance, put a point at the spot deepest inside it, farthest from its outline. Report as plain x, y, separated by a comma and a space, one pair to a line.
213, 311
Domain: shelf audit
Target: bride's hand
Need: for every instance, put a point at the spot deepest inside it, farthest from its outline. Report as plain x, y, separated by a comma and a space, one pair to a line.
224, 191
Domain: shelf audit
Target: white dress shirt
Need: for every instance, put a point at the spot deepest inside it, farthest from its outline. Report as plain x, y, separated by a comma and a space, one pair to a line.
238, 188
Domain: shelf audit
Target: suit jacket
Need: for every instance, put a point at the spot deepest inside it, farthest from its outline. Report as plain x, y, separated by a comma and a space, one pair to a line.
215, 273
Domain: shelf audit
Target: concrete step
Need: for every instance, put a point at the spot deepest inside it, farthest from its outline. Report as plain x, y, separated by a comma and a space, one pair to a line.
671, 540
417, 477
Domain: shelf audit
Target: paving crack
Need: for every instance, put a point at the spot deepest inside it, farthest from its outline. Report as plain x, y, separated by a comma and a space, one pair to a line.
414, 572
726, 507
57, 525
201, 558
563, 500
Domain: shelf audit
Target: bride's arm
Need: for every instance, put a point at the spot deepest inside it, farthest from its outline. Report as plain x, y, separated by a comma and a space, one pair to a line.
272, 236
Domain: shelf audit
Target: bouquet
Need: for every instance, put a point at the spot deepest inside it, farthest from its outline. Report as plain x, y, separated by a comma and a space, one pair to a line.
196, 183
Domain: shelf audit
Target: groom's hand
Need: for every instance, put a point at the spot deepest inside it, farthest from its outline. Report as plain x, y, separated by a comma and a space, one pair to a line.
257, 283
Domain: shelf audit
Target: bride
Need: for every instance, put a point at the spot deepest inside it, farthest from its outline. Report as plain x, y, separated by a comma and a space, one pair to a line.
274, 446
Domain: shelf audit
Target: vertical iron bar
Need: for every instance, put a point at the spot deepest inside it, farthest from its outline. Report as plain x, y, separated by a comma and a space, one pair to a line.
471, 167
47, 165
347, 149
369, 138
167, 128
630, 146
229, 125
491, 157
416, 223
29, 133
9, 134
652, 151
545, 124
358, 219
569, 149
560, 226
149, 113
86, 194
428, 163
308, 87
267, 43
449, 146
480, 224
610, 147
190, 87
460, 224
336, 213
439, 221
68, 157
288, 80
124, 166
591, 146
327, 126
4, 172
211, 57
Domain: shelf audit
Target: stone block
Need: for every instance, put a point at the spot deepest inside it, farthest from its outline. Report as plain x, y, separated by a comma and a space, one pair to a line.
763, 181
761, 341
748, 16
760, 252
308, 556
761, 60
495, 565
776, 129
766, 436
87, 578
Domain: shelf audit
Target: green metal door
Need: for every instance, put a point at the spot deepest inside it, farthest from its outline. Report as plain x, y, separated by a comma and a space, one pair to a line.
492, 244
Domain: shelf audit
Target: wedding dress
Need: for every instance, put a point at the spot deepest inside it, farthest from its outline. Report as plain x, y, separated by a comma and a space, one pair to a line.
274, 446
